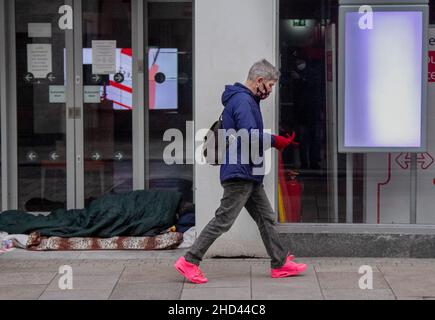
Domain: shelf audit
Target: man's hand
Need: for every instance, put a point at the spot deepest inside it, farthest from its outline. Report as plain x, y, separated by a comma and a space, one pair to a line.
283, 142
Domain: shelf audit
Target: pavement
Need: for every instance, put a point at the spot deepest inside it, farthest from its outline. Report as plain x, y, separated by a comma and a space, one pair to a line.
149, 275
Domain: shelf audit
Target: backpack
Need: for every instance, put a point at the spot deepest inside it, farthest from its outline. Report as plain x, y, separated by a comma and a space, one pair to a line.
211, 142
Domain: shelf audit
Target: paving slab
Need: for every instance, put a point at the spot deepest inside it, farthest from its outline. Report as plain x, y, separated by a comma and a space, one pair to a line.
132, 254
358, 294
348, 280
25, 278
425, 269
101, 269
409, 298
213, 293
164, 275
87, 282
40, 255
22, 292
235, 274
411, 284
282, 292
145, 291
341, 267
75, 294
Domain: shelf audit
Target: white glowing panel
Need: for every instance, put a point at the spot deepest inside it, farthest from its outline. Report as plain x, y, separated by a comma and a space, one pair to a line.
383, 89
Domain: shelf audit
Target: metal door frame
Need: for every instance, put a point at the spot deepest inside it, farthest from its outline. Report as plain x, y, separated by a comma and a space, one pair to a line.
9, 118
77, 124
3, 104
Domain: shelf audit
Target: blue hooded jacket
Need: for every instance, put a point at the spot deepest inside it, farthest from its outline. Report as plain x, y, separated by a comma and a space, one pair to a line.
242, 111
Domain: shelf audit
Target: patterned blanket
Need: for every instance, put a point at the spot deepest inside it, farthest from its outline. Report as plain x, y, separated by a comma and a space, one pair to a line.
169, 240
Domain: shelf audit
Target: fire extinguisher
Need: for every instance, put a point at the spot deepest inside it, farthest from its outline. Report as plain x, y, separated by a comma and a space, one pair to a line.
294, 189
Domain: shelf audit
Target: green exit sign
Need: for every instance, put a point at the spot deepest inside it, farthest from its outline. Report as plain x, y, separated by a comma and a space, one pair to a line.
299, 23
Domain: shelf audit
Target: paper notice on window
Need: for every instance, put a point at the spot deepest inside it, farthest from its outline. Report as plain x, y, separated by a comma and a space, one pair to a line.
39, 30
57, 94
39, 61
103, 56
91, 94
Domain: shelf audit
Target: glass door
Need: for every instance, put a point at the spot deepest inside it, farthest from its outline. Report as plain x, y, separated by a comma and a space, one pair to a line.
41, 56
73, 82
104, 97
96, 83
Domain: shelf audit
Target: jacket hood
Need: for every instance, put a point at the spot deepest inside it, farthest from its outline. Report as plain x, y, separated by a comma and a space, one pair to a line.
231, 90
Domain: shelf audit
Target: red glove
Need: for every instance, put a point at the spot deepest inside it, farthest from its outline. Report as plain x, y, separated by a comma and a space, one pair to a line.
283, 142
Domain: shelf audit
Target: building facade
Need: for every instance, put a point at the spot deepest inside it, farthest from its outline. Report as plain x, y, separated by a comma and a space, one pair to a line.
91, 93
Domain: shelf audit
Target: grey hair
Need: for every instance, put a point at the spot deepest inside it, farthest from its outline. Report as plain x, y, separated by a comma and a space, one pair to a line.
265, 69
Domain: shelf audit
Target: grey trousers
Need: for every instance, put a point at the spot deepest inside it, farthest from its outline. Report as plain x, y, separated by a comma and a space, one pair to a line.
240, 193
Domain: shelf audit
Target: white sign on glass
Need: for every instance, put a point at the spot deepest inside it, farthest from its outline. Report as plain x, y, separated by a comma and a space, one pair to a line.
91, 94
39, 60
39, 30
57, 94
103, 56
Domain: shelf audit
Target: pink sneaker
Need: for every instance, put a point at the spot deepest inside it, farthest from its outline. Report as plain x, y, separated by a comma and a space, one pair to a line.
290, 268
190, 271
290, 257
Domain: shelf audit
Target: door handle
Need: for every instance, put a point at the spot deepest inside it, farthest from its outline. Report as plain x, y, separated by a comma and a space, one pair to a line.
77, 113
74, 113
71, 113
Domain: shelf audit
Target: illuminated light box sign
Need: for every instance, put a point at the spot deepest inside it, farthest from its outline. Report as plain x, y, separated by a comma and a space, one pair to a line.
383, 78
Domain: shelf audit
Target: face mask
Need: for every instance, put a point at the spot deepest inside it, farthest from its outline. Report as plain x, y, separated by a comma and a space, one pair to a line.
262, 95
301, 66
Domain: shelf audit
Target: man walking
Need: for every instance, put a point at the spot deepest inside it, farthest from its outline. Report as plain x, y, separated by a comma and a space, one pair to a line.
242, 186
